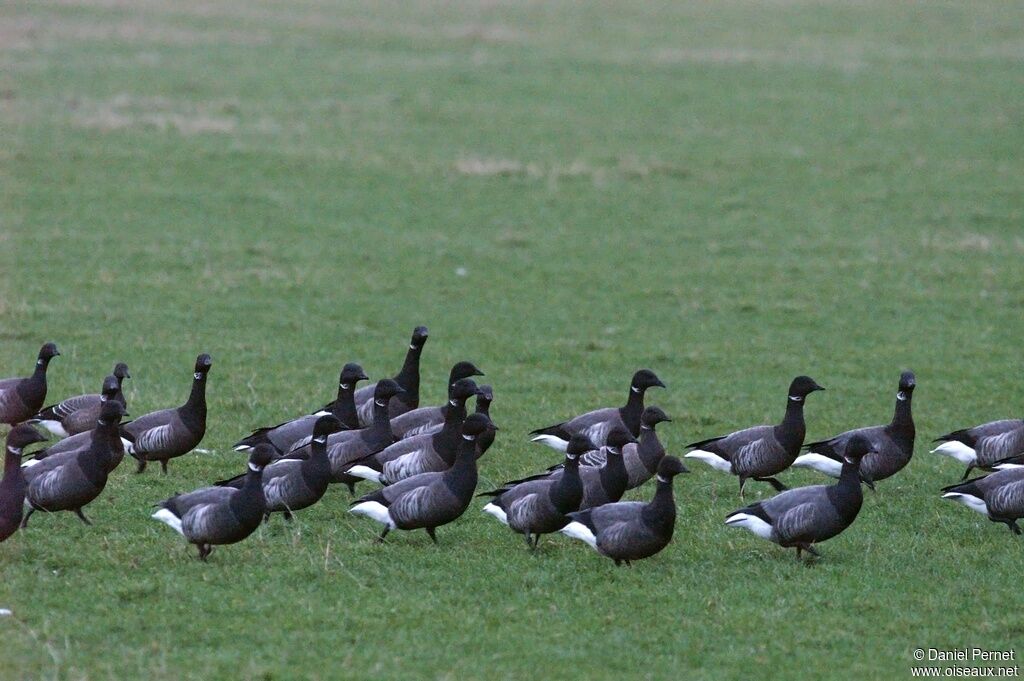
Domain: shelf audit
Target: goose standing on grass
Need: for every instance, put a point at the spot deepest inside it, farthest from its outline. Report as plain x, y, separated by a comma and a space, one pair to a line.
220, 515
426, 453
761, 452
984, 445
291, 485
429, 500
20, 398
430, 419
408, 378
892, 445
631, 530
78, 414
13, 485
642, 457
348, 446
998, 496
598, 423
170, 433
601, 485
70, 481
540, 506
802, 517
295, 433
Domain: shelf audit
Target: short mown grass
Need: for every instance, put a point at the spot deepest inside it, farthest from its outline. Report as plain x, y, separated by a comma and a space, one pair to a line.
728, 193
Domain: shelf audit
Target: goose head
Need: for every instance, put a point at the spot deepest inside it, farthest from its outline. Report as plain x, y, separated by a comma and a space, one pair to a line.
324, 426
856, 449
351, 373
618, 438
419, 338
475, 425
461, 390
652, 416
121, 371
385, 390
801, 387
907, 384
22, 436
261, 457
644, 379
46, 353
669, 467
203, 364
463, 370
110, 388
484, 398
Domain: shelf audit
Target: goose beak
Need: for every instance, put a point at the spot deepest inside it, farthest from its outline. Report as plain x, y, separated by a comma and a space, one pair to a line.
363, 377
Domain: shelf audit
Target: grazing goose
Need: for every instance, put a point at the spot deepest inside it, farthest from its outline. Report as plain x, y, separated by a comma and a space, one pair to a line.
295, 433
20, 398
426, 453
802, 517
892, 445
429, 500
13, 485
220, 515
70, 481
540, 506
291, 485
762, 451
348, 446
169, 433
79, 413
601, 485
642, 457
984, 445
408, 378
631, 530
998, 496
597, 424
429, 419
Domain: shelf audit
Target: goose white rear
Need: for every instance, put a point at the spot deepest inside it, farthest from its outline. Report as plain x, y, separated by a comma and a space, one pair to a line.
376, 511
578, 530
55, 427
751, 523
364, 472
819, 463
957, 450
969, 500
552, 441
713, 460
168, 518
495, 510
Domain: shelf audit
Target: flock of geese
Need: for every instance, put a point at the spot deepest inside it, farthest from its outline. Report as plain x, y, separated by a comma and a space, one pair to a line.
425, 459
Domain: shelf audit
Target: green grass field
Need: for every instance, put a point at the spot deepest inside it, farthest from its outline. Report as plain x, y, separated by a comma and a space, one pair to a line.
729, 193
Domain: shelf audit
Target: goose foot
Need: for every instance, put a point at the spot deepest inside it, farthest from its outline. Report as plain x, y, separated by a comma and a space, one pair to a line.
967, 472
743, 481
287, 516
141, 468
433, 537
82, 517
204, 551
384, 533
776, 485
24, 521
163, 466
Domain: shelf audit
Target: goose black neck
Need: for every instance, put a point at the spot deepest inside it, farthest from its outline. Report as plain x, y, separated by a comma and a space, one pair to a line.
848, 493
461, 478
902, 414
632, 410
12, 464
381, 422
649, 448
96, 463
344, 407
248, 505
197, 398
446, 441
567, 493
409, 375
660, 514
613, 473
790, 433
39, 373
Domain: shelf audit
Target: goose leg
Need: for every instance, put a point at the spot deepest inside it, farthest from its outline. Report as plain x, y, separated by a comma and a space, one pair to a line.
204, 551
798, 550
82, 517
433, 537
287, 515
967, 472
24, 521
1013, 527
384, 533
870, 483
163, 465
743, 481
142, 467
351, 488
536, 540
811, 550
776, 485
529, 542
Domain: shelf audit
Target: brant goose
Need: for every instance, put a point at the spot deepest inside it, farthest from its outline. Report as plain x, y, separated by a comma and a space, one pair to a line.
892, 445
169, 433
291, 485
762, 451
12, 487
642, 457
429, 419
631, 530
601, 485
597, 424
998, 496
408, 378
426, 453
20, 398
540, 506
428, 500
78, 414
295, 433
220, 515
984, 445
484, 398
802, 517
69, 481
348, 446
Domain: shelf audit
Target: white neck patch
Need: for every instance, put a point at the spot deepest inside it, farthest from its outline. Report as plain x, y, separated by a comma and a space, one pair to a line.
661, 479
412, 346
901, 396
643, 427
380, 403
454, 403
469, 437
254, 468
320, 439
197, 375
103, 398
634, 389
571, 457
39, 362
15, 450
343, 386
796, 398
